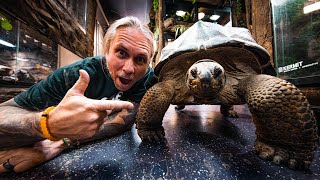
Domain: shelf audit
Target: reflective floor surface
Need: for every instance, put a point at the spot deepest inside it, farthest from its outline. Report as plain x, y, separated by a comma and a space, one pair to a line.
201, 144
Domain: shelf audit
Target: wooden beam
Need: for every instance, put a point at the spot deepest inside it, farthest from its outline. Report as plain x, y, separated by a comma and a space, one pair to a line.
262, 25
50, 19
160, 26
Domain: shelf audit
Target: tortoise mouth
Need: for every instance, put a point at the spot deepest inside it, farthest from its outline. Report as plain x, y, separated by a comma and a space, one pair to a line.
204, 88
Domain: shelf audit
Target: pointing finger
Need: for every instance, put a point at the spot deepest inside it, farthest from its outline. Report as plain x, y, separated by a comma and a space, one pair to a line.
104, 105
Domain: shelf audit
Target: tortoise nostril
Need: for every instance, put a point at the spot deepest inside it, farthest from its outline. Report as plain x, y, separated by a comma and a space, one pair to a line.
194, 73
205, 83
205, 86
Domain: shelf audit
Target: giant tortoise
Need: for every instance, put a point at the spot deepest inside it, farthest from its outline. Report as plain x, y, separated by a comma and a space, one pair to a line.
212, 64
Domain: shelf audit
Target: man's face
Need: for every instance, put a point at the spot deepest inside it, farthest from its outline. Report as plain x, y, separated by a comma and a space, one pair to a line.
128, 57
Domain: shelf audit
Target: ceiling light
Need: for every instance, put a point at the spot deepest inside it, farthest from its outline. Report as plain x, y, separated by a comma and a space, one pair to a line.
311, 7
214, 17
6, 43
200, 15
22, 59
180, 13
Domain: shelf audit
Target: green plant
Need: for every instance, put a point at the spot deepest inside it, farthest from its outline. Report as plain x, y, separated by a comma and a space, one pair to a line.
155, 5
179, 29
186, 16
239, 11
156, 33
5, 23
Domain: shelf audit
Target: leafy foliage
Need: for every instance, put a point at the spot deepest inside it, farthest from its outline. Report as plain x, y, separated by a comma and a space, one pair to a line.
186, 16
5, 23
239, 11
179, 29
155, 5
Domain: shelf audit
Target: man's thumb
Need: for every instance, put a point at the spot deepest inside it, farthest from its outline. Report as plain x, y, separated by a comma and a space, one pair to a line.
82, 83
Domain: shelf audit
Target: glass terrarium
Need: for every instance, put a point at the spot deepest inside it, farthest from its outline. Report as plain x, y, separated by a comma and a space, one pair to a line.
26, 56
296, 27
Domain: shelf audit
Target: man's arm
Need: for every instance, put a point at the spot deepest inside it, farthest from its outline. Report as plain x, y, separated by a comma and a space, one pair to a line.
25, 158
76, 117
23, 127
18, 126
117, 123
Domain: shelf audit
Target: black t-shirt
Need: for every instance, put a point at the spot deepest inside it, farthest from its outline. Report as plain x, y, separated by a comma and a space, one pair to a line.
49, 92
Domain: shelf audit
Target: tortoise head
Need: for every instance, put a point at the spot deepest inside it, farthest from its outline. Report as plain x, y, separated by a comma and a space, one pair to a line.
205, 78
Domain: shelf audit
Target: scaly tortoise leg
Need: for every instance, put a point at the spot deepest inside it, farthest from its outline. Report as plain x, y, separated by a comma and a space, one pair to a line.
286, 128
179, 107
151, 111
227, 111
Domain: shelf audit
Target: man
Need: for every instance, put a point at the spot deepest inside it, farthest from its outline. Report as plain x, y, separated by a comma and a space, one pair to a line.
31, 133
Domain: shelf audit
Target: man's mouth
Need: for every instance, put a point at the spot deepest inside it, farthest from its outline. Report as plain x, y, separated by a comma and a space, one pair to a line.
124, 80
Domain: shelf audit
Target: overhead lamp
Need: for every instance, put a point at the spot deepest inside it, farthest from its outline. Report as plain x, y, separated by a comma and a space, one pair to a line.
6, 43
214, 17
200, 15
22, 59
311, 7
180, 13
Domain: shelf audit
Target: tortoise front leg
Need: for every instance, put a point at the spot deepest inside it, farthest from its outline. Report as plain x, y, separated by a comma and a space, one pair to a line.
285, 126
227, 111
152, 109
179, 107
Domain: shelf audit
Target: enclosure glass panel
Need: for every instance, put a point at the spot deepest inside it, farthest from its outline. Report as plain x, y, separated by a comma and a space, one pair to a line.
297, 40
8, 47
37, 54
77, 10
26, 56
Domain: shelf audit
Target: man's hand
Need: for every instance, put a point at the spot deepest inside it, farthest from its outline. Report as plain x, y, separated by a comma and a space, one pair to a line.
25, 158
78, 117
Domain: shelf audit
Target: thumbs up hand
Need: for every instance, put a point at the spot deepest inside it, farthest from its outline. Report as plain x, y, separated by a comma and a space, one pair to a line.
78, 117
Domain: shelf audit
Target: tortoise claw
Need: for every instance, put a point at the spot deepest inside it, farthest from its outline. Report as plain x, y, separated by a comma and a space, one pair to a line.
280, 156
292, 164
152, 135
277, 160
231, 114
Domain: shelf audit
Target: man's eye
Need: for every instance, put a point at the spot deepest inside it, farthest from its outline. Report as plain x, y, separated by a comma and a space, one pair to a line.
141, 60
121, 53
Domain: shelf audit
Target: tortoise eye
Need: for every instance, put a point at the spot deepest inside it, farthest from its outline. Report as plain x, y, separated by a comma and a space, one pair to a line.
217, 72
194, 73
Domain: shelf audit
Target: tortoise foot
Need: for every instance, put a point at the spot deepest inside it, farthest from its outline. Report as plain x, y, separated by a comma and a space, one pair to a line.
280, 156
152, 135
230, 114
227, 111
179, 107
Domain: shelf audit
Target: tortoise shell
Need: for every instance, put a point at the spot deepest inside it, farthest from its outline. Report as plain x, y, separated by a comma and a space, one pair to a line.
232, 47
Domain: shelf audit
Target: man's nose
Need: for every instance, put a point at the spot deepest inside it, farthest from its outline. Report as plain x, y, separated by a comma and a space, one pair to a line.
128, 66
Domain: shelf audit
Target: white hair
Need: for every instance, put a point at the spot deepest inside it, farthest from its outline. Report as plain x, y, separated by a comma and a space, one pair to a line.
128, 21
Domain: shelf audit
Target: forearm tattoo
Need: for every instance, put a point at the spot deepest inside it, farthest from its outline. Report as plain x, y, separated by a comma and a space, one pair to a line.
18, 127
113, 129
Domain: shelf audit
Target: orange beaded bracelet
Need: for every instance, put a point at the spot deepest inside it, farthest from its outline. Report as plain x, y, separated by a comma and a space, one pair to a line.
44, 124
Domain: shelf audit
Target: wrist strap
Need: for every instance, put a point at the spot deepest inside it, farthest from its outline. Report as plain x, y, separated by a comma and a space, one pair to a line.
69, 143
44, 124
